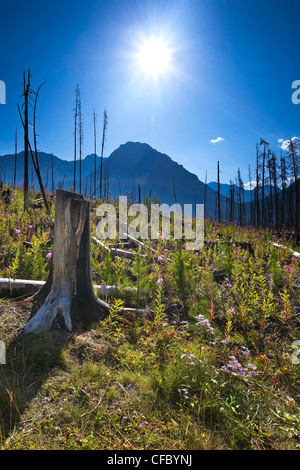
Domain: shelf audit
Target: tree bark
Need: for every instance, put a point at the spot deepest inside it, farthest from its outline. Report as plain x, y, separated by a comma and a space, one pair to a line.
68, 295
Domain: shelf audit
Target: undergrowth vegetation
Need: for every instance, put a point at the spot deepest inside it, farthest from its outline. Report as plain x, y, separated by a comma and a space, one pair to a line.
212, 367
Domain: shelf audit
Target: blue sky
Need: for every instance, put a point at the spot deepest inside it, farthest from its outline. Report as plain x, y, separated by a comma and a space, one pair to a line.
234, 62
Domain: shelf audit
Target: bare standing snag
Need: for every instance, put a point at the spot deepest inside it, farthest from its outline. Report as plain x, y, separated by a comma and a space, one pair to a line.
68, 296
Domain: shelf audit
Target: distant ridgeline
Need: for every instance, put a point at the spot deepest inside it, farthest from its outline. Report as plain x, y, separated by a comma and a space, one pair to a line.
138, 171
147, 172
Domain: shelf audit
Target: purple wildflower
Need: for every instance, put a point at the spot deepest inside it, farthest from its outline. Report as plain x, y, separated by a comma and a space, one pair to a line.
202, 321
184, 392
235, 368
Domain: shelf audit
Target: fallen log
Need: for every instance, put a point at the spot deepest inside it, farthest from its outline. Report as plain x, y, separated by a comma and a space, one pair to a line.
19, 287
294, 253
22, 287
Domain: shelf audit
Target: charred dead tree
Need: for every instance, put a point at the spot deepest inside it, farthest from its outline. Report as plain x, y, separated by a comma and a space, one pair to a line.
219, 195
294, 161
231, 197
204, 196
105, 122
68, 297
80, 130
257, 188
270, 198
240, 197
52, 178
274, 179
106, 184
16, 156
75, 134
283, 177
36, 166
263, 171
28, 92
251, 198
95, 151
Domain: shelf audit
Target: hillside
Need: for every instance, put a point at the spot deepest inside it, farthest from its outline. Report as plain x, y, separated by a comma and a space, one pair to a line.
63, 170
134, 163
225, 190
128, 166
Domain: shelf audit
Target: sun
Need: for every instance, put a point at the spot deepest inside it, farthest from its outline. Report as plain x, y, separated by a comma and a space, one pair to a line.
154, 57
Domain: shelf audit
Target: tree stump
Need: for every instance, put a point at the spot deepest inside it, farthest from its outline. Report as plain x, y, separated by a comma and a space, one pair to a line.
67, 296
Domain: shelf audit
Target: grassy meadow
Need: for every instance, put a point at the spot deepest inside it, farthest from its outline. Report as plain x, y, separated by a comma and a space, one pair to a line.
213, 366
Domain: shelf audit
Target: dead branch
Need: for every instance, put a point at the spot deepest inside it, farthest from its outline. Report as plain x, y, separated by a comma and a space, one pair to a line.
115, 251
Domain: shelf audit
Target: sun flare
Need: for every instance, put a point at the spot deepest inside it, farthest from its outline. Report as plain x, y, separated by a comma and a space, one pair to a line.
154, 57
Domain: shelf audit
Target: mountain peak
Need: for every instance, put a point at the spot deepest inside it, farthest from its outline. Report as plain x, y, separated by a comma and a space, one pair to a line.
131, 165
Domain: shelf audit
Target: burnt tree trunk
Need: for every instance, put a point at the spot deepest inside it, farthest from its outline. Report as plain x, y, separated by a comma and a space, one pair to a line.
68, 296
26, 96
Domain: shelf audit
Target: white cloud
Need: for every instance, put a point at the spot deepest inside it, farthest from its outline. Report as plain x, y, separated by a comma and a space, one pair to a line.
214, 141
247, 185
285, 143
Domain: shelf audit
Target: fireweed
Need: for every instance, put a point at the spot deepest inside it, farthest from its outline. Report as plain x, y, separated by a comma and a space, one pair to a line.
186, 377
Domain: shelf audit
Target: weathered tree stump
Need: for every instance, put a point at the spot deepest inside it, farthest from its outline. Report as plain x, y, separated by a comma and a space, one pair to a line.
68, 297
